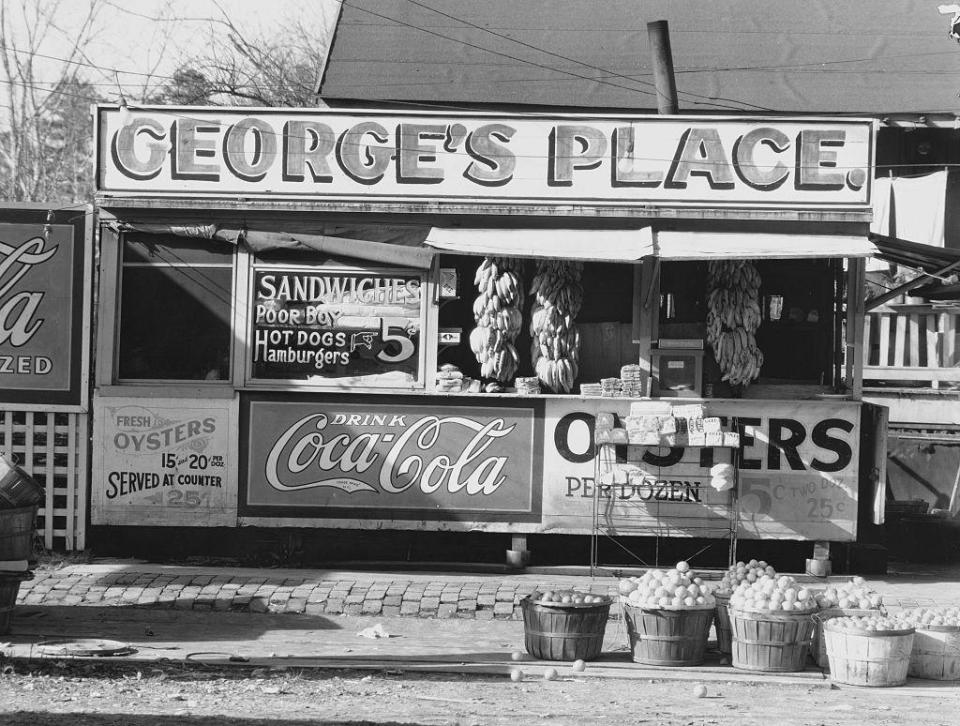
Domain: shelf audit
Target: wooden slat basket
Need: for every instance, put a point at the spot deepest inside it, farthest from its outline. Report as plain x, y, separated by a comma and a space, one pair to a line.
17, 532
9, 588
770, 642
564, 632
936, 653
877, 658
668, 637
17, 487
818, 649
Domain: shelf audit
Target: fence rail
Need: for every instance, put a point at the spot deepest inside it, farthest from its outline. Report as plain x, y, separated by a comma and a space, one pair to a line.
913, 343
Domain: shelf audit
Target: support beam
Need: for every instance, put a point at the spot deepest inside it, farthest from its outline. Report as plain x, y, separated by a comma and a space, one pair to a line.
856, 279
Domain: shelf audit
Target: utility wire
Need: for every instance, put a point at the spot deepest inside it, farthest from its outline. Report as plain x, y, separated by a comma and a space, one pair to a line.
626, 29
524, 60
564, 57
713, 100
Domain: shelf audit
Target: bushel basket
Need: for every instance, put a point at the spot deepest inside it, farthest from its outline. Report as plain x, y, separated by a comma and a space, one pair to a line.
668, 637
876, 658
564, 631
936, 653
9, 588
819, 645
17, 488
770, 642
17, 532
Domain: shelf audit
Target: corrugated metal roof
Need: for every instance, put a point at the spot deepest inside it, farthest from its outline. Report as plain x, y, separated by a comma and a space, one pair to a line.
813, 56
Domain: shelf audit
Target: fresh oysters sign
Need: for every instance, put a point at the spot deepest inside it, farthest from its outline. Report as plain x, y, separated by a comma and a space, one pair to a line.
391, 460
164, 462
42, 261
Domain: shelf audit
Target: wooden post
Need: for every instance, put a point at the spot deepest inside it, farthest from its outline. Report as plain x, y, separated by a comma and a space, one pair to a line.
648, 316
856, 275
518, 555
819, 564
659, 34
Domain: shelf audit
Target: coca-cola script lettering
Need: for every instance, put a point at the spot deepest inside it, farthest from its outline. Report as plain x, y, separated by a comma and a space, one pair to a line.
398, 459
409, 460
19, 319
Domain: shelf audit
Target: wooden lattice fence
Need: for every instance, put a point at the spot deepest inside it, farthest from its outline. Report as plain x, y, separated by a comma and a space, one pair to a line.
53, 449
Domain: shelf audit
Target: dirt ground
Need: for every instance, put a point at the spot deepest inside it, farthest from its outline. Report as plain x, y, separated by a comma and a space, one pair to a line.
85, 693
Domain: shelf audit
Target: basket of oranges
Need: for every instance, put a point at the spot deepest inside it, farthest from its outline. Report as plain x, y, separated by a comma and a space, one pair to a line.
936, 645
564, 624
740, 572
668, 615
849, 599
869, 650
772, 622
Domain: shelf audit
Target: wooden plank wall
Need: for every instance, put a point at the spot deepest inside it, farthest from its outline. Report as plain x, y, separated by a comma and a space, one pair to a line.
604, 348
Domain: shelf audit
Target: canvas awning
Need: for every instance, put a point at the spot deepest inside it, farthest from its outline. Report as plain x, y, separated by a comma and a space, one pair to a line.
414, 246
616, 245
392, 245
632, 245
670, 245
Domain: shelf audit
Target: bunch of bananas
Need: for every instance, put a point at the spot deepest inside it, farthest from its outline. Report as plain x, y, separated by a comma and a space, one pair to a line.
555, 344
733, 316
497, 313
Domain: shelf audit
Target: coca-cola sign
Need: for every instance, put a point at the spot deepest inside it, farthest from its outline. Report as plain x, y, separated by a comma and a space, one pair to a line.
396, 459
41, 286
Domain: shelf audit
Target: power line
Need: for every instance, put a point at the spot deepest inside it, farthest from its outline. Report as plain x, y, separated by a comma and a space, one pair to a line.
713, 100
573, 60
523, 60
627, 29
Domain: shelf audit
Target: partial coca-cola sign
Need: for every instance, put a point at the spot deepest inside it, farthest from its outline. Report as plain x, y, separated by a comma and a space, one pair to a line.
41, 301
396, 459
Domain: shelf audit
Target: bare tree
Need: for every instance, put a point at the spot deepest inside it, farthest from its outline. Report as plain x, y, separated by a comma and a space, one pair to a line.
45, 138
253, 68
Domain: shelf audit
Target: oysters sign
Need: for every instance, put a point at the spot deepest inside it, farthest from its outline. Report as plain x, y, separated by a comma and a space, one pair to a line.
395, 460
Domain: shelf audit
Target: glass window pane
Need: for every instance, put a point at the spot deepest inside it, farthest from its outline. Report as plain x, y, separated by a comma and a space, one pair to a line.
159, 249
175, 323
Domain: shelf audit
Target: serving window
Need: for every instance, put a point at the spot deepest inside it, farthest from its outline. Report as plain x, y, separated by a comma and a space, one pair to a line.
176, 298
331, 325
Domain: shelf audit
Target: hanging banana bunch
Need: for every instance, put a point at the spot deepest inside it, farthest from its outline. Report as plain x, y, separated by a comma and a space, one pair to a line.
733, 316
555, 344
497, 314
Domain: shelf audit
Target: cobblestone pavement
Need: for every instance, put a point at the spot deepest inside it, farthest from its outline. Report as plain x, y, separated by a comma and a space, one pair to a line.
260, 591
313, 592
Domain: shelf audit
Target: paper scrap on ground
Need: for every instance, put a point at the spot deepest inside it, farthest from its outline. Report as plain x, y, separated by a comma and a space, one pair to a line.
374, 632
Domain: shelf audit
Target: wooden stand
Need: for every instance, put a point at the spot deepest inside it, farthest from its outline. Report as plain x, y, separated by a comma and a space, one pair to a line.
606, 452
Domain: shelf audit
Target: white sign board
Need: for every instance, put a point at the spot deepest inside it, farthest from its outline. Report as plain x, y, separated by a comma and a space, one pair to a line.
165, 462
487, 158
798, 474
